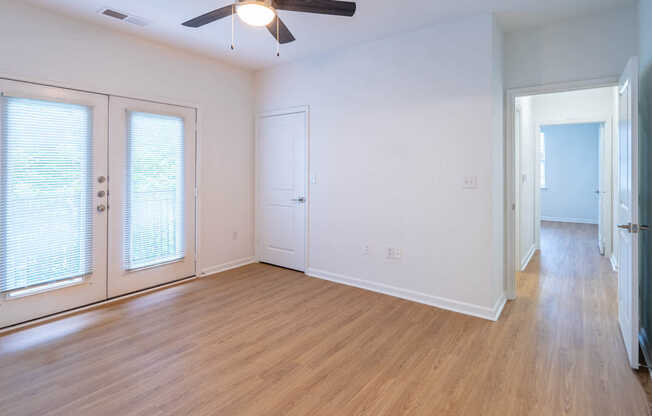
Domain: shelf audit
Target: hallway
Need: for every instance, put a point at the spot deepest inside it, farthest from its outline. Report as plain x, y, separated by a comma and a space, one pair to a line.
568, 297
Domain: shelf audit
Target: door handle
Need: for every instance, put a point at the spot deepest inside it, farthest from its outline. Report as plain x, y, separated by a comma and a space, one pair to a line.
633, 228
627, 226
101, 208
300, 199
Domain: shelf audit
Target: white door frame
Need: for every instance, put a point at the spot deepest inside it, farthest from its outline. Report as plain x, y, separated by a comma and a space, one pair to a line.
303, 109
511, 259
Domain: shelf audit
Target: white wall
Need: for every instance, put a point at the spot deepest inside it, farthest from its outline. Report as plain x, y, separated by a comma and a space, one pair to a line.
527, 182
40, 46
645, 33
498, 156
580, 49
395, 126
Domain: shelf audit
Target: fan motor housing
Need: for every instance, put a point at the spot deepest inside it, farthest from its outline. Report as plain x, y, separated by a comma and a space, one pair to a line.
266, 3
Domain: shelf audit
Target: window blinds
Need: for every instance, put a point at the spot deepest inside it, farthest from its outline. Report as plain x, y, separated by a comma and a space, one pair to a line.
153, 213
46, 213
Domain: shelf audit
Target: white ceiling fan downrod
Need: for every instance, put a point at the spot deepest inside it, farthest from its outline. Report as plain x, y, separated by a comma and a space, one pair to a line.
233, 27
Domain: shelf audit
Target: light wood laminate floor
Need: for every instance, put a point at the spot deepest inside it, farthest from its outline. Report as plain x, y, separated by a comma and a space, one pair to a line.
261, 340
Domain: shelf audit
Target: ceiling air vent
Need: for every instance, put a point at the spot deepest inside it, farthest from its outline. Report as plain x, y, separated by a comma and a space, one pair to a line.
126, 17
114, 14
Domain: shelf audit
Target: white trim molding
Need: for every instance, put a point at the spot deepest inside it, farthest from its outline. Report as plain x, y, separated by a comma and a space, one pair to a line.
614, 262
491, 314
227, 266
526, 260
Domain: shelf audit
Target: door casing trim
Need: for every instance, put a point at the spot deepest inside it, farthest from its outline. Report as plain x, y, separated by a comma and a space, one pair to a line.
511, 262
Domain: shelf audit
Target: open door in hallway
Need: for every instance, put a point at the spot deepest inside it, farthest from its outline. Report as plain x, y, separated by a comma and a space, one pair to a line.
627, 211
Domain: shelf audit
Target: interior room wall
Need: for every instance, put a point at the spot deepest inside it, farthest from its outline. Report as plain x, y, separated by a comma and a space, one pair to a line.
396, 126
527, 182
66, 52
572, 173
583, 48
498, 157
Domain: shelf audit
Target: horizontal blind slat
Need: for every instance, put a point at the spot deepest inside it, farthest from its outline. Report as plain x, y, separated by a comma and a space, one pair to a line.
153, 212
46, 227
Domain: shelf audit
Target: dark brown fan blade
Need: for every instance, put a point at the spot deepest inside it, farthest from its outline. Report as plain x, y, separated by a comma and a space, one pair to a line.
210, 17
337, 8
284, 36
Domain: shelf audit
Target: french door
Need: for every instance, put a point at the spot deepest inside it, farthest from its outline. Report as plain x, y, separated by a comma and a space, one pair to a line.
152, 182
96, 198
53, 147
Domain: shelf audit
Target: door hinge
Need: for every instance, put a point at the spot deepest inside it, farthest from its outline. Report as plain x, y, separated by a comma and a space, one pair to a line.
196, 192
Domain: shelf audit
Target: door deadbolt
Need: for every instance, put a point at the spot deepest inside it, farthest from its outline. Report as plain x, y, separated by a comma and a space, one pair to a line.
101, 194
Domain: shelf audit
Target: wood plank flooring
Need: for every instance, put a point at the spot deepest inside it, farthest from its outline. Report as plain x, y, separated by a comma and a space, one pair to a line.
261, 340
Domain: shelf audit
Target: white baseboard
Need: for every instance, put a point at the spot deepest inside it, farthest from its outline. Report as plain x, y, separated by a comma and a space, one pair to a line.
491, 314
526, 260
227, 266
614, 262
573, 220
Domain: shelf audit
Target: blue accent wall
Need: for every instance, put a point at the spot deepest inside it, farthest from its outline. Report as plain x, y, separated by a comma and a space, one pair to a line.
572, 172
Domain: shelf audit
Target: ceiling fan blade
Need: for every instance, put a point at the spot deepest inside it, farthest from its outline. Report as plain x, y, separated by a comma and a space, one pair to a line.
337, 8
285, 36
210, 17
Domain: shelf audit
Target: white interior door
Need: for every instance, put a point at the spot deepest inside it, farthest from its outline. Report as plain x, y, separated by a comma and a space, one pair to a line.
151, 194
53, 161
627, 211
281, 151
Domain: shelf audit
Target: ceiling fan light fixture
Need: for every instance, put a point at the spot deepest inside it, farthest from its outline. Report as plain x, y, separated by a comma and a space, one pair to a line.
255, 13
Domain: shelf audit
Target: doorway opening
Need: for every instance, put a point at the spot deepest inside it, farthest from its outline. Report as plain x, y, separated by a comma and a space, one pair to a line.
565, 157
573, 201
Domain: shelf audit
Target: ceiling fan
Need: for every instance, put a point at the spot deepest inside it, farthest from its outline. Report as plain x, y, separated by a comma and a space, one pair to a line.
263, 13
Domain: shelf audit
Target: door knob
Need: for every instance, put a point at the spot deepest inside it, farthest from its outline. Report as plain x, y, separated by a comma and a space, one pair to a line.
101, 208
300, 199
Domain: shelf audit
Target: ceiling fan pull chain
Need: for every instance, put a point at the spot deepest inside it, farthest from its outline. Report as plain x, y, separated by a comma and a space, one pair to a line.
278, 42
232, 26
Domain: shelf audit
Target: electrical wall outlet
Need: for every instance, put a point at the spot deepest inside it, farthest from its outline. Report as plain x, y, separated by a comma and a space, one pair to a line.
393, 253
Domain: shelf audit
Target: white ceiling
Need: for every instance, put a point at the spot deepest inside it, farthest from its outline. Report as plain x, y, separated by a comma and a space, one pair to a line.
374, 19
